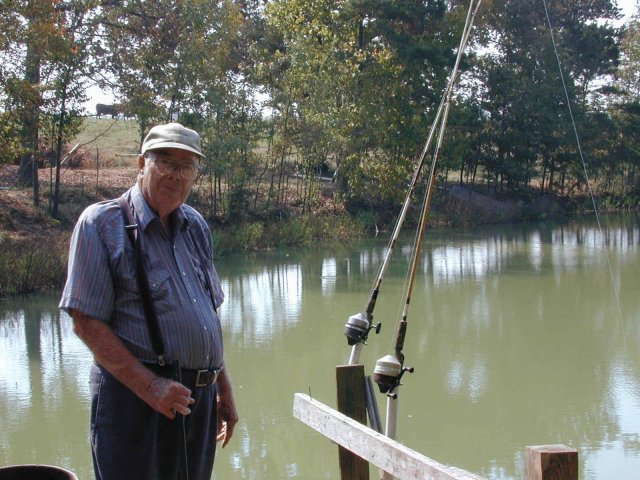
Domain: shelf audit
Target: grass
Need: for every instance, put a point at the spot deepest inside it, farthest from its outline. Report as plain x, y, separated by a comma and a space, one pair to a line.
114, 143
29, 266
33, 247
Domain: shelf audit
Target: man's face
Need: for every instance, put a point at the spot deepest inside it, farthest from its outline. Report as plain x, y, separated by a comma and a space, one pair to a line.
168, 175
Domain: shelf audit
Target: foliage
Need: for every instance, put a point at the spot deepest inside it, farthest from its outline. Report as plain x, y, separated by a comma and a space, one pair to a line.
45, 49
10, 147
302, 231
185, 60
333, 61
629, 71
32, 269
529, 134
625, 113
285, 92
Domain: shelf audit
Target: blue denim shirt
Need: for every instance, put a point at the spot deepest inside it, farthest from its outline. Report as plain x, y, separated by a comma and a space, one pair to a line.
102, 284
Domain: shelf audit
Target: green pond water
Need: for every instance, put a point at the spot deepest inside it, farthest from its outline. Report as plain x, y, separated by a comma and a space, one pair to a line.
519, 336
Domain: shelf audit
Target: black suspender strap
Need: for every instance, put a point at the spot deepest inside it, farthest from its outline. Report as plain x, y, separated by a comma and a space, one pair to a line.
131, 228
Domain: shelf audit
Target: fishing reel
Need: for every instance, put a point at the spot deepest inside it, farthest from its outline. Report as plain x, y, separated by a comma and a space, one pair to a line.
388, 373
358, 327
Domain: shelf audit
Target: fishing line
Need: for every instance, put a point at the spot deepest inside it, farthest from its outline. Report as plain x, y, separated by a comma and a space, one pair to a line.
586, 176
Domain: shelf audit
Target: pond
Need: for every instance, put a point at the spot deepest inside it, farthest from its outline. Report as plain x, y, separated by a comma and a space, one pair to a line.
524, 335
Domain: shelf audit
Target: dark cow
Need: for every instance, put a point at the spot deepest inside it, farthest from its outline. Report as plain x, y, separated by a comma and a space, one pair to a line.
102, 109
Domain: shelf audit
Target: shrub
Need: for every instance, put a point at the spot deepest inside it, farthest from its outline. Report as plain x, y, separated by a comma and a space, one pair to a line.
28, 268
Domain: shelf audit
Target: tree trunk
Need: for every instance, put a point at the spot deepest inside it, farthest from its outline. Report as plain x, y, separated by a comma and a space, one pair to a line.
28, 172
56, 194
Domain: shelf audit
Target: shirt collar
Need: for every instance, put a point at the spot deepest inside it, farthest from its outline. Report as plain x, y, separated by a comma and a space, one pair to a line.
146, 216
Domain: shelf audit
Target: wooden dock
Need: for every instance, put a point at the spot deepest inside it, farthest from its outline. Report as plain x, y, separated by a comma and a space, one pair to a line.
360, 445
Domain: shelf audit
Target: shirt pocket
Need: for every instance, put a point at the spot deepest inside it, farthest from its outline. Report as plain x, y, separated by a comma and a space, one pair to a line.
124, 274
161, 290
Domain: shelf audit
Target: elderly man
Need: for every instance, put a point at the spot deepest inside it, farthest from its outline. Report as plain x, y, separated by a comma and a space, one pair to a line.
149, 421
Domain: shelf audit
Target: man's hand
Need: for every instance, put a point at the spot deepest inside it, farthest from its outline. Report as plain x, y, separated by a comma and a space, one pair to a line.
162, 394
227, 414
169, 397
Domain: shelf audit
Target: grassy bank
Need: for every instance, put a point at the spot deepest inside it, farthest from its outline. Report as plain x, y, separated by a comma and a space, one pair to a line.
30, 266
33, 246
34, 249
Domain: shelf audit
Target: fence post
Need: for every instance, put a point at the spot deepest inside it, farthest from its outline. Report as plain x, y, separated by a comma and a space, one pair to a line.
352, 403
97, 168
552, 462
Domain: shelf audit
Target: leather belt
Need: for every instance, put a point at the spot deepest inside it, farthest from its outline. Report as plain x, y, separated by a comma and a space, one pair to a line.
189, 377
200, 378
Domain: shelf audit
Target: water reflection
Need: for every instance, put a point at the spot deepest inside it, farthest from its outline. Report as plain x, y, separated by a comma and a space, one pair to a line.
516, 335
42, 387
262, 302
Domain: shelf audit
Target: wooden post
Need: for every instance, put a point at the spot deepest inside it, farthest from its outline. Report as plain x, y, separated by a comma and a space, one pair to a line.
97, 168
552, 462
352, 403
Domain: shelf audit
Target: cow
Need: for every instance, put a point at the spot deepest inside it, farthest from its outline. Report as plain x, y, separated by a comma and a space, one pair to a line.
103, 109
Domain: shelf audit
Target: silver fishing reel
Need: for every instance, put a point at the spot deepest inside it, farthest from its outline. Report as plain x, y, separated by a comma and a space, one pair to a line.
387, 374
358, 327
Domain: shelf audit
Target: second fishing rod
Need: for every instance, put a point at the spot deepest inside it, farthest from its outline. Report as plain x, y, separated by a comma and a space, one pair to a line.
359, 325
389, 369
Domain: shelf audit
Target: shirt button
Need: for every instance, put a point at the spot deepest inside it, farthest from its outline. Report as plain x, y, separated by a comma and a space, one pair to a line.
194, 300
205, 329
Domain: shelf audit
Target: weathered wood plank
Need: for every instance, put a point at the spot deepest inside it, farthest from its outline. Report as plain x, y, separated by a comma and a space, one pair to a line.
390, 455
352, 403
552, 462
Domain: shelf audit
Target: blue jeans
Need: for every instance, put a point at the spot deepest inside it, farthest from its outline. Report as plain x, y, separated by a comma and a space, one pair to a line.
130, 440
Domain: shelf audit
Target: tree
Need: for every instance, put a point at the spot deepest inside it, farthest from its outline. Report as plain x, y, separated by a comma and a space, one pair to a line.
45, 75
629, 71
187, 60
625, 113
364, 77
66, 75
529, 132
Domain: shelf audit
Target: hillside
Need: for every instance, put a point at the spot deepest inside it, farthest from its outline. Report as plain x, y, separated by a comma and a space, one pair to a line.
113, 143
103, 166
20, 219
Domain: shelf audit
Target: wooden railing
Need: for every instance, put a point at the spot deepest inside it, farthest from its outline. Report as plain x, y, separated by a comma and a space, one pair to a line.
360, 445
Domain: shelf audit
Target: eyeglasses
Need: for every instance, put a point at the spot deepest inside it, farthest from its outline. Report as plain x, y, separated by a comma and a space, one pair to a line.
188, 171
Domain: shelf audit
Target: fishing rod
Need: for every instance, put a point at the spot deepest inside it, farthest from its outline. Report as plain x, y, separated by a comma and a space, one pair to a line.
359, 325
389, 369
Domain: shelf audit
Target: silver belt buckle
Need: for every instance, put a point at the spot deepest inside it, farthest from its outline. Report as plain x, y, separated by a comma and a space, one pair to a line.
204, 378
